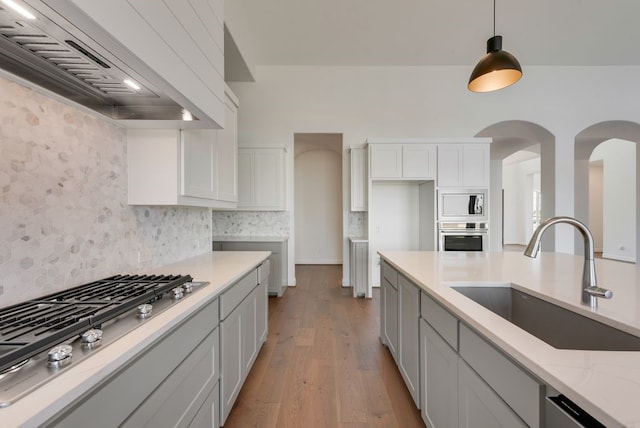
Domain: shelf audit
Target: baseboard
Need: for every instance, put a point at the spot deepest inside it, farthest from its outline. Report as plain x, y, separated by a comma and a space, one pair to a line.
318, 262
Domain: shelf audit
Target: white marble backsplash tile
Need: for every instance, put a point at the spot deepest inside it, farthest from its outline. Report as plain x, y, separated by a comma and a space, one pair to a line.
251, 223
63, 202
357, 224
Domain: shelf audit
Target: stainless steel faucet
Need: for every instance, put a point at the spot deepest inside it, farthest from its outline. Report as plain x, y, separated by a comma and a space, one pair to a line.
589, 290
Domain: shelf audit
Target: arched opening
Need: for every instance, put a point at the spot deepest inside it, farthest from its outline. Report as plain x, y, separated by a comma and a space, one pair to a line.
318, 198
510, 137
612, 147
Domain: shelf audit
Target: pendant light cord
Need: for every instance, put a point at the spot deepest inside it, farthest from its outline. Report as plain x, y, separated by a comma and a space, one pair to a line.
494, 17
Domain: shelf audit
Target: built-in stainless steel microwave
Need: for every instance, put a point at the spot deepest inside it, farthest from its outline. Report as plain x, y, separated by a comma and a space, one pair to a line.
462, 205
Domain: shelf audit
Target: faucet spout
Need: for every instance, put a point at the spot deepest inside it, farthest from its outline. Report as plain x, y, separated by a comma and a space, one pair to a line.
589, 290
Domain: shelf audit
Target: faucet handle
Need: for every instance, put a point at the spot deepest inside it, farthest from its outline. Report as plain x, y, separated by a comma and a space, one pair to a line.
599, 292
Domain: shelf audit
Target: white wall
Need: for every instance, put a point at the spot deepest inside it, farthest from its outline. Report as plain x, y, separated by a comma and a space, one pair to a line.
362, 102
619, 198
596, 195
318, 207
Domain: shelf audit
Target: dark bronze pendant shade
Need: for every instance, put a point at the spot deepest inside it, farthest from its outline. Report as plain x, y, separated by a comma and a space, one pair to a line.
496, 70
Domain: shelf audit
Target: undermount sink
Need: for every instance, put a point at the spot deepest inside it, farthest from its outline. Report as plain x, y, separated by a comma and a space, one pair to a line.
557, 326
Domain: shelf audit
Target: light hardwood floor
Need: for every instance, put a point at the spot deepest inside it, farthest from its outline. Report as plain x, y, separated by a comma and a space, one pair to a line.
323, 364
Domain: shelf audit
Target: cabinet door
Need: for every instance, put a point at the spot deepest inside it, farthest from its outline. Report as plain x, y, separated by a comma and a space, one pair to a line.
261, 179
479, 406
449, 165
245, 178
231, 361
269, 179
438, 380
390, 317
199, 163
249, 346
385, 160
463, 165
227, 155
409, 333
475, 165
358, 180
359, 268
262, 312
419, 161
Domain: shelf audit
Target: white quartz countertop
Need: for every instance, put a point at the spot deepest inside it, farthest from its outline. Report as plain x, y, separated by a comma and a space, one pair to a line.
221, 269
232, 238
605, 383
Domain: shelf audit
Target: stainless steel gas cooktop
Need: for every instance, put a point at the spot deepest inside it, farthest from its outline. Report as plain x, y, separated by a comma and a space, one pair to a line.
41, 338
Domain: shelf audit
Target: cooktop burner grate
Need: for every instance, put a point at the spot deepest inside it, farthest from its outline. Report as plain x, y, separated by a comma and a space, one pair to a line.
31, 327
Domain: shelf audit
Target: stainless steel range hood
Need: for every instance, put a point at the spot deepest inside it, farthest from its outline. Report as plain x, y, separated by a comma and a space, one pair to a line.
54, 54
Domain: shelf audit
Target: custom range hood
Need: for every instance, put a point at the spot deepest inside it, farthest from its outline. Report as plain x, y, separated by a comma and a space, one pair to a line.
84, 64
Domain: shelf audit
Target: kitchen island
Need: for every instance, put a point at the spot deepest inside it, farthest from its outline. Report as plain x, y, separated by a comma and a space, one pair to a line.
223, 270
606, 384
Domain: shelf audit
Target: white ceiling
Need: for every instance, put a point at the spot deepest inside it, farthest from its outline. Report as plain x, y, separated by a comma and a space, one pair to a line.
441, 32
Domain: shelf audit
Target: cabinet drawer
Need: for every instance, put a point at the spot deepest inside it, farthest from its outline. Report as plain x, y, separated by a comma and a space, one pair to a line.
440, 319
238, 291
389, 273
520, 391
177, 400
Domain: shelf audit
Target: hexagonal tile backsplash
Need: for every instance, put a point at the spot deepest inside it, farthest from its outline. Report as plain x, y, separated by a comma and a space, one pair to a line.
63, 202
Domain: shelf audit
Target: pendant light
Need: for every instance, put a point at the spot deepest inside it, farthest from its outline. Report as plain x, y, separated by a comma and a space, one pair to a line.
497, 69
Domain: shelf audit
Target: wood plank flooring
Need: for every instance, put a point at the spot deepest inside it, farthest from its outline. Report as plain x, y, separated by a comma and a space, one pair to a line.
323, 364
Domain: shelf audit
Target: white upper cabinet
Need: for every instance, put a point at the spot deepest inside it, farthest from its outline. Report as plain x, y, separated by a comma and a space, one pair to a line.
463, 165
182, 41
358, 179
419, 161
412, 161
385, 160
198, 165
192, 167
261, 184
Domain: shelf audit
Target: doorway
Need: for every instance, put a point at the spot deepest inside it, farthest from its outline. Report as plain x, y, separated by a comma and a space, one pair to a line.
318, 198
612, 199
522, 204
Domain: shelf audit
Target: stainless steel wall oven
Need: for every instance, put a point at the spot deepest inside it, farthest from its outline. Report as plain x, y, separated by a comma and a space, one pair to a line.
463, 236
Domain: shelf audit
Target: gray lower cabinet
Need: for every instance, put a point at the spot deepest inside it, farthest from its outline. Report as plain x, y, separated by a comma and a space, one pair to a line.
466, 382
231, 362
278, 281
390, 310
172, 383
409, 330
456, 377
479, 406
243, 330
438, 379
358, 266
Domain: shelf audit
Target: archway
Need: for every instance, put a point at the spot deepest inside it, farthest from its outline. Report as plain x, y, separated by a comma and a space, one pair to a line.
585, 142
509, 137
